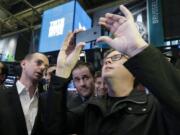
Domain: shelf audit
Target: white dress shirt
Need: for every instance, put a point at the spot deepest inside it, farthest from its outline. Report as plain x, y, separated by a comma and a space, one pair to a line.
29, 105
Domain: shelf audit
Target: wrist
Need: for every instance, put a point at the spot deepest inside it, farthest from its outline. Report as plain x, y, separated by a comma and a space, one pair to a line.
63, 73
139, 47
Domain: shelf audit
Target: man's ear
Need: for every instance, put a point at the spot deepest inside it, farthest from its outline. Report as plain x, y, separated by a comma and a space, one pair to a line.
23, 63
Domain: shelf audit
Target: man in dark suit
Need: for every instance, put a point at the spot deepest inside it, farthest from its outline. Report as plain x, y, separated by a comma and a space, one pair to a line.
21, 105
83, 79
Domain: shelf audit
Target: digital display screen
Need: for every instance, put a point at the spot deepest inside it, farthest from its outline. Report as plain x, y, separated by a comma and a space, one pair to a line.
58, 21
71, 86
8, 48
82, 20
10, 81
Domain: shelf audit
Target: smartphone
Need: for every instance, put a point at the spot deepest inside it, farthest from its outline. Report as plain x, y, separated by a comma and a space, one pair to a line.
88, 35
118, 12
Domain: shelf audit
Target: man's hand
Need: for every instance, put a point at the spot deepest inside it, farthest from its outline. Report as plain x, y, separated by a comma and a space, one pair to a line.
68, 56
126, 39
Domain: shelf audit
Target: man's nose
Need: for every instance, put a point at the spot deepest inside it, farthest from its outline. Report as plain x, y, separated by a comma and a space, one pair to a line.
108, 61
82, 82
43, 67
102, 86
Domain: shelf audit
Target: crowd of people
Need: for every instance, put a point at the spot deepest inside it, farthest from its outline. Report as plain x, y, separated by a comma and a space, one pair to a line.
106, 102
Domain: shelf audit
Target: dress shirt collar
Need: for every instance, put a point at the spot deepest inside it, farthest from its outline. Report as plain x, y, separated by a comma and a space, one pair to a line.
21, 88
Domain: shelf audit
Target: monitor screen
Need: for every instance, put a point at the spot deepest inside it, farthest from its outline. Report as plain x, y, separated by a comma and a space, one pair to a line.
82, 21
71, 86
10, 81
8, 48
58, 21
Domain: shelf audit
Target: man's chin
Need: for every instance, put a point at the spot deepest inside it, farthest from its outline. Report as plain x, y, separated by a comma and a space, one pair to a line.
37, 78
107, 75
85, 95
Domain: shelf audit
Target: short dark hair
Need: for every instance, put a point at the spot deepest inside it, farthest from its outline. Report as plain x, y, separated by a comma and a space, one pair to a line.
106, 53
136, 82
80, 64
30, 55
97, 74
4, 71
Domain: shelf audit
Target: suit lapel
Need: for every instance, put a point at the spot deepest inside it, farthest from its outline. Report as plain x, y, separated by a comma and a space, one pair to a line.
18, 115
36, 122
38, 128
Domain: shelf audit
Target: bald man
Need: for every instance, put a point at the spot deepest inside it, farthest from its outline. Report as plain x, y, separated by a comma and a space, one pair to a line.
20, 106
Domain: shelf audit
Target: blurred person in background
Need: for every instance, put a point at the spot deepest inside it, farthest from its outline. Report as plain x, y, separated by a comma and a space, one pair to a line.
101, 88
21, 105
83, 79
47, 76
3, 73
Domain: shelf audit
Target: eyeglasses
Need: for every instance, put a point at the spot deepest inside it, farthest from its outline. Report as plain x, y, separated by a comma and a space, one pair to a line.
115, 57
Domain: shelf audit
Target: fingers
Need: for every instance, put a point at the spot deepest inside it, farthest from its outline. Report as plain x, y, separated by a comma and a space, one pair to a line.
105, 39
74, 56
78, 30
76, 50
126, 12
105, 25
67, 40
113, 17
112, 21
79, 47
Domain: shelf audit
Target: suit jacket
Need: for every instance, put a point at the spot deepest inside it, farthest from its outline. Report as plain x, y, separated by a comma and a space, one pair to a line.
73, 100
138, 115
12, 120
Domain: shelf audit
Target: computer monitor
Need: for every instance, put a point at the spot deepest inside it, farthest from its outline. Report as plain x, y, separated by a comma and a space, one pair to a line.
8, 48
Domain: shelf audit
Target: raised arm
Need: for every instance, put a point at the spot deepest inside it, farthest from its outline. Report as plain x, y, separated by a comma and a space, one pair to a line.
126, 39
68, 56
56, 112
146, 63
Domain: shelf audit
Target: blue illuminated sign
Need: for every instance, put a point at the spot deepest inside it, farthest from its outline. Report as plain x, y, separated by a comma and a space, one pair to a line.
58, 21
